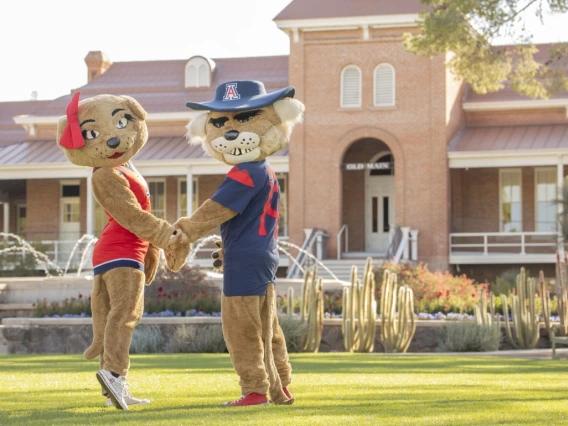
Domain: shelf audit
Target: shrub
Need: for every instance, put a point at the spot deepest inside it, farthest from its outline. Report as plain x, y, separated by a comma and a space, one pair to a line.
74, 306
468, 336
295, 333
209, 339
147, 339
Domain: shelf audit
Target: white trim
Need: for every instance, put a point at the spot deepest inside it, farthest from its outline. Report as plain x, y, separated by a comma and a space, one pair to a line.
535, 190
519, 173
341, 85
26, 120
375, 103
181, 179
375, 21
506, 158
147, 168
514, 105
500, 259
159, 180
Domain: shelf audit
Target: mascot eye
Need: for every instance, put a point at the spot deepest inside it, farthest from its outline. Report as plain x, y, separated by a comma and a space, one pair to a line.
90, 134
122, 123
244, 119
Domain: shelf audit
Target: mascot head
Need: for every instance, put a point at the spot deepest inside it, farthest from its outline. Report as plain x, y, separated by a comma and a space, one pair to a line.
102, 131
244, 123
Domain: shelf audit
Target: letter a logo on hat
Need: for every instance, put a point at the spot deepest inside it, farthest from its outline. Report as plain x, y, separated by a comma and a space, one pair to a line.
231, 92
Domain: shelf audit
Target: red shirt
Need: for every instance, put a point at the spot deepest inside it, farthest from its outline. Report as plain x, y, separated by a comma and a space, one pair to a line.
118, 247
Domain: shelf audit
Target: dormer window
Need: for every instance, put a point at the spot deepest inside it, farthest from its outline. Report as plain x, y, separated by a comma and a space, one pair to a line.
198, 72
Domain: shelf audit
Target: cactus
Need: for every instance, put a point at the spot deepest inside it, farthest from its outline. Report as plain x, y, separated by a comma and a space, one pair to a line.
562, 295
290, 304
359, 311
397, 310
481, 315
524, 314
311, 309
545, 295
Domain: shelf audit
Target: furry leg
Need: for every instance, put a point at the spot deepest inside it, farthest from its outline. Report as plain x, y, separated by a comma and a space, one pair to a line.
242, 329
100, 308
281, 354
268, 318
125, 287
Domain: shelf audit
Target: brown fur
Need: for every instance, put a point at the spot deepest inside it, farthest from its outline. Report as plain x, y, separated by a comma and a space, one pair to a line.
117, 299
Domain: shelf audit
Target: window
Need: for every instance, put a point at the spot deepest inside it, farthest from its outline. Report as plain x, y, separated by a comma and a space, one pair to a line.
350, 87
283, 224
182, 197
510, 215
384, 82
21, 219
545, 200
385, 166
198, 72
158, 197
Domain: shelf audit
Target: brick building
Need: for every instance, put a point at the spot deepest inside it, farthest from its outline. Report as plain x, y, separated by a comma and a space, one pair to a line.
390, 140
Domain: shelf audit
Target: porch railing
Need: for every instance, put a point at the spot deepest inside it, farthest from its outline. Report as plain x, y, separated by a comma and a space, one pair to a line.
503, 243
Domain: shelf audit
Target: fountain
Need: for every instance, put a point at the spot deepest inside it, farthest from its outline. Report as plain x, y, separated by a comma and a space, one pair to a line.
24, 247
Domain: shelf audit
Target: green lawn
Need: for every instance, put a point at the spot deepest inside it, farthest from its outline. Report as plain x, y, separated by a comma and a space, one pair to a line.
330, 389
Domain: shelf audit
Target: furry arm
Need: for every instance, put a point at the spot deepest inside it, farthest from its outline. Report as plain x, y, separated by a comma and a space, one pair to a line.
206, 218
114, 195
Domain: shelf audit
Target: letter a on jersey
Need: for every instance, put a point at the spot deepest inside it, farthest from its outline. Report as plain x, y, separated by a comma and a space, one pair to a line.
231, 92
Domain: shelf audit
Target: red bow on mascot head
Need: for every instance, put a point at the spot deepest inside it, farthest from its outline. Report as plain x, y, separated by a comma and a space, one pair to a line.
72, 137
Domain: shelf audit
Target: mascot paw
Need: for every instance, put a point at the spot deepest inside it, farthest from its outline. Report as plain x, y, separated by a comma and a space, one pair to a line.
217, 256
177, 251
151, 263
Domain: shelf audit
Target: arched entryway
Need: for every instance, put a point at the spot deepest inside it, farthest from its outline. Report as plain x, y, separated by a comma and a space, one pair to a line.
368, 195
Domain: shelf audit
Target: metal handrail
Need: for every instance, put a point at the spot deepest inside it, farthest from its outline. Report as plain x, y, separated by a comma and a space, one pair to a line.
341, 230
306, 247
485, 245
395, 242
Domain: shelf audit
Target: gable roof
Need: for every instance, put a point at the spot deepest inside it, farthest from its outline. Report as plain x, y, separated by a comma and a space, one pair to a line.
314, 9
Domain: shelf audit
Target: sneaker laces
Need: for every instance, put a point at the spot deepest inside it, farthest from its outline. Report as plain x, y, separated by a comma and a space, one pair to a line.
239, 400
126, 389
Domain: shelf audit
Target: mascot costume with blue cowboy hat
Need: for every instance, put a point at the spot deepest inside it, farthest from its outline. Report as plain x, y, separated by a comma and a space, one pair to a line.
243, 126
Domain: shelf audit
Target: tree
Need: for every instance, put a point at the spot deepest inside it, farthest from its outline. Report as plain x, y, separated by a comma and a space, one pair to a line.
466, 29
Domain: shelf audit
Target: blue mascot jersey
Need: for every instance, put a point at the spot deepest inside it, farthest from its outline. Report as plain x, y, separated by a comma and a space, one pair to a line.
250, 257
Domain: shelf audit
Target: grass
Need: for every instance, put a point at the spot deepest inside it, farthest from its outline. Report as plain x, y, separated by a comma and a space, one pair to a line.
330, 389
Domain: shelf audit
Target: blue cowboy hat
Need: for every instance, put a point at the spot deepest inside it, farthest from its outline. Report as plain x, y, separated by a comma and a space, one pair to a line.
242, 95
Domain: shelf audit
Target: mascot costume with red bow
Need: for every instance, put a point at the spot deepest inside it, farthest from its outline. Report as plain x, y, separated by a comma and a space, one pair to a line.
243, 127
105, 132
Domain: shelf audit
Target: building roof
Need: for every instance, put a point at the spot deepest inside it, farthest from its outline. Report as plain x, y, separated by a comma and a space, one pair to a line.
157, 148
505, 138
159, 86
11, 132
314, 9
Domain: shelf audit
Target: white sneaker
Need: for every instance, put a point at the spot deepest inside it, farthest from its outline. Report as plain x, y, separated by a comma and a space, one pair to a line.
128, 398
114, 387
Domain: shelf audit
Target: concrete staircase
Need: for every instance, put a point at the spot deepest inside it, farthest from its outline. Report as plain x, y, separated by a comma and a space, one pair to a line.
342, 268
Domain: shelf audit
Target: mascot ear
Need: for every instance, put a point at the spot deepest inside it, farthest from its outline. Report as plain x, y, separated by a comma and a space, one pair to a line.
196, 128
135, 107
61, 125
289, 110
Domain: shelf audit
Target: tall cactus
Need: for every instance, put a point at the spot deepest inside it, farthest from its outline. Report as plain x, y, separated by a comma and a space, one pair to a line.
397, 310
524, 314
359, 311
290, 303
482, 316
311, 309
562, 295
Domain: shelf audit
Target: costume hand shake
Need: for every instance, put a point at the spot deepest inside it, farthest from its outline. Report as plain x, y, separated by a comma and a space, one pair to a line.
243, 127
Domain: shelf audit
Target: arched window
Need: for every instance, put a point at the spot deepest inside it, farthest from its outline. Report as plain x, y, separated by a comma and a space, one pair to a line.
384, 91
198, 72
384, 166
350, 87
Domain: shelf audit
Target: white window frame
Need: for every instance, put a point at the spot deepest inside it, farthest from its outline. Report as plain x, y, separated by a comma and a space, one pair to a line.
375, 101
194, 65
195, 194
158, 180
501, 173
536, 171
341, 86
18, 206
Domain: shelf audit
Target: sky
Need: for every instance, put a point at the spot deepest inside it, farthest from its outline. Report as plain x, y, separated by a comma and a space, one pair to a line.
43, 43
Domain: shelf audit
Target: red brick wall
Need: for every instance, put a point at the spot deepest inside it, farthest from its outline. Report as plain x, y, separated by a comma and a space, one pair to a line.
42, 209
171, 199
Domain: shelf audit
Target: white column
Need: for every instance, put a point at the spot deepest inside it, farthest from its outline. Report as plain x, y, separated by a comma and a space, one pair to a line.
405, 237
6, 217
560, 205
414, 239
90, 205
189, 191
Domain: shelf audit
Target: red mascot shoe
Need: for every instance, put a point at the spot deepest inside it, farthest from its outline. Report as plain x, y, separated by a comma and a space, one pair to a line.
252, 398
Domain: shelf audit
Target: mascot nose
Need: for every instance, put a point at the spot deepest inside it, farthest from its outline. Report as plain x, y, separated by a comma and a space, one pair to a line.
231, 135
113, 142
